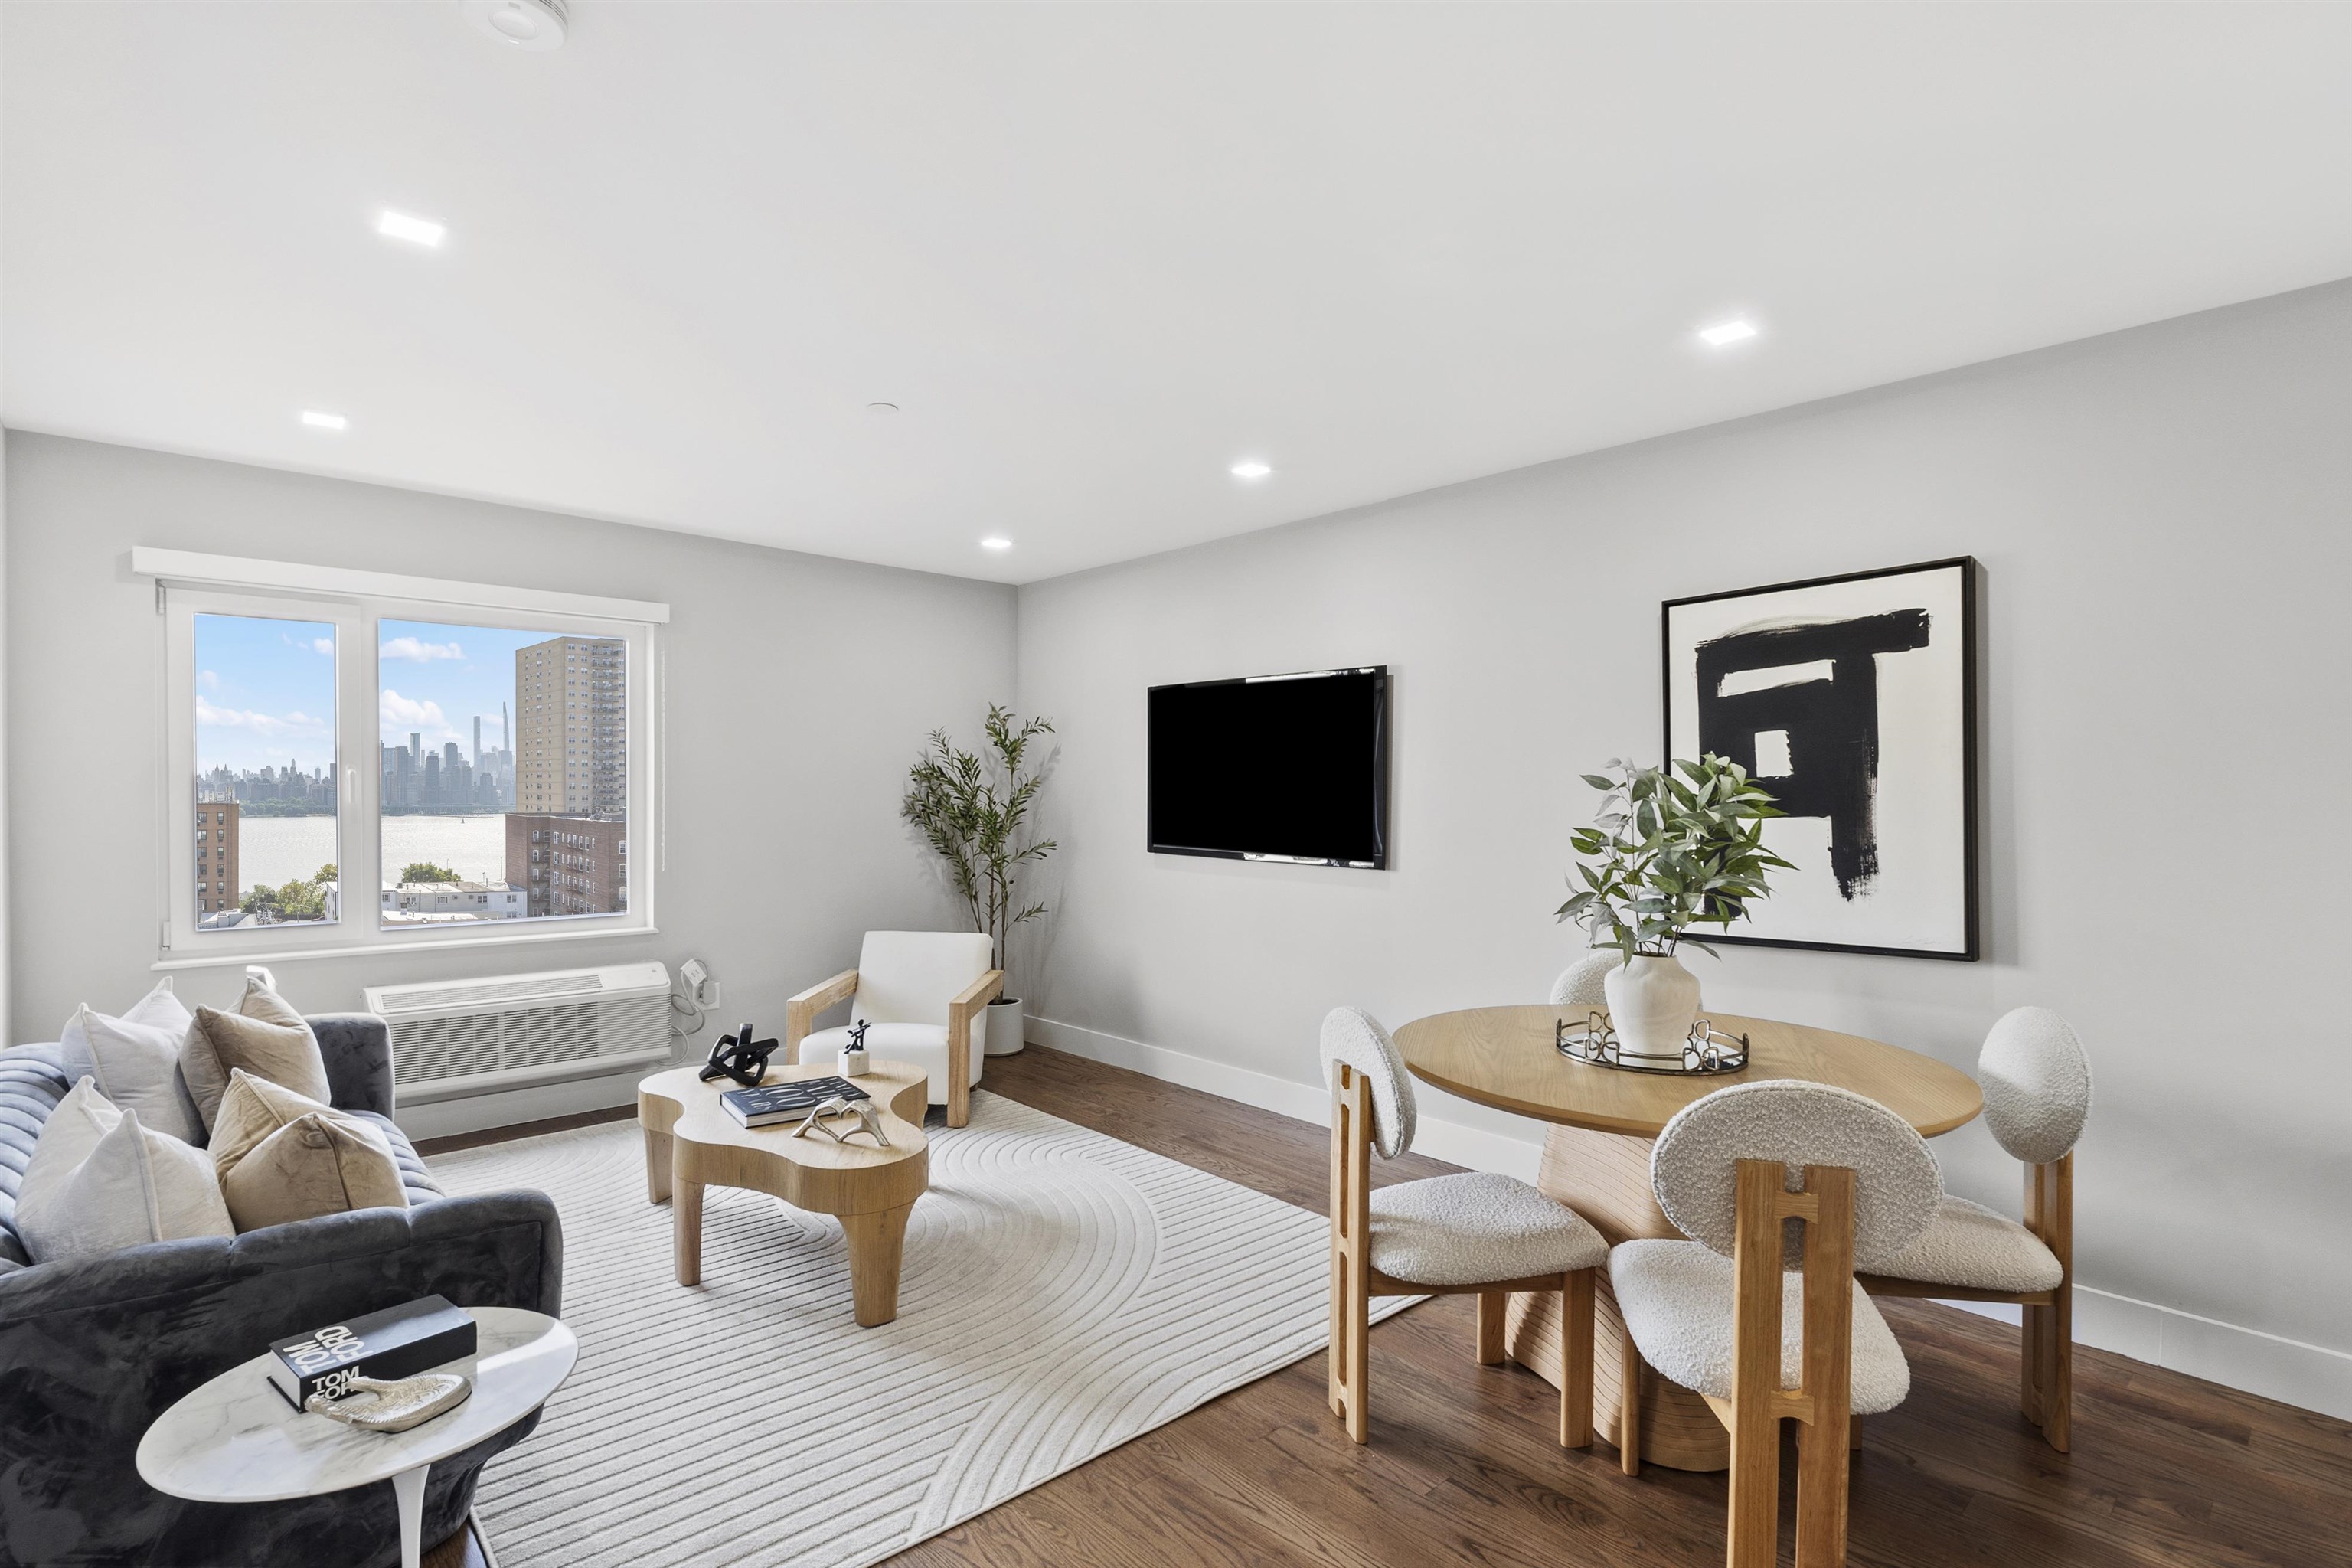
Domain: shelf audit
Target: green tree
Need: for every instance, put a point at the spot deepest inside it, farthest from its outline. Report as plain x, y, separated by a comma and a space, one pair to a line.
327, 873
973, 811
426, 871
295, 901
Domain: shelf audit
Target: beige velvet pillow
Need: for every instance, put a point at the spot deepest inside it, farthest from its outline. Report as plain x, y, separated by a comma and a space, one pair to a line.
253, 1108
265, 1036
313, 1165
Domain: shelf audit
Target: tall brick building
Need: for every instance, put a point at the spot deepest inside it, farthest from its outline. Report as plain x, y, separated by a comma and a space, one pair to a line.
568, 865
571, 734
217, 884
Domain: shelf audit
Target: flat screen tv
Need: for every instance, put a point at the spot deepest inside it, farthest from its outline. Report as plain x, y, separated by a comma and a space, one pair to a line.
1274, 767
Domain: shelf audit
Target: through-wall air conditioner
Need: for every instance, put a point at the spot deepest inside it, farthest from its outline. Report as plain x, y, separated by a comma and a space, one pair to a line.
451, 1039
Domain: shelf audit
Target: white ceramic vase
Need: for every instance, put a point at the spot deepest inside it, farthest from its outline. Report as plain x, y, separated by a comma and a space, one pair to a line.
1652, 1003
1004, 1031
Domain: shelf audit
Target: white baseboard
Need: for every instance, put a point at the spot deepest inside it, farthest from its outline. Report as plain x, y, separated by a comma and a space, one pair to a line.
2289, 1371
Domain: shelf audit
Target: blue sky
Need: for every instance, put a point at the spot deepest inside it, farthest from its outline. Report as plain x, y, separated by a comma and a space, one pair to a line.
266, 688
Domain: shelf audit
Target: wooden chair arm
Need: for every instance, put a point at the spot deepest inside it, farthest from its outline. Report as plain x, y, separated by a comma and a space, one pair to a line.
801, 1011
960, 1008
985, 989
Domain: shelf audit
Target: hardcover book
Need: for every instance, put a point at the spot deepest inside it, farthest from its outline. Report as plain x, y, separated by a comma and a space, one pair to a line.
783, 1102
395, 1342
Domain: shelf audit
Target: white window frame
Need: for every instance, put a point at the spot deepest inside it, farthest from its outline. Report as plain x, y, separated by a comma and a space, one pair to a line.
189, 584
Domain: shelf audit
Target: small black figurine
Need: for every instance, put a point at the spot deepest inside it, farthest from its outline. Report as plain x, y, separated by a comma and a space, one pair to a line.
740, 1056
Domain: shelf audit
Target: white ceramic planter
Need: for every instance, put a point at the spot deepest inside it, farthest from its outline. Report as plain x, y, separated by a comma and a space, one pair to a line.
1652, 1003
1005, 1027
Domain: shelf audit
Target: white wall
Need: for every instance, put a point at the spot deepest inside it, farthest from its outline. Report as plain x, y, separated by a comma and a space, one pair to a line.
2162, 517
798, 690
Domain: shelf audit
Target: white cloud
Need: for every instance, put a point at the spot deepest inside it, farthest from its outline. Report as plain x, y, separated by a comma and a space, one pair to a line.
419, 651
268, 725
325, 645
398, 713
208, 680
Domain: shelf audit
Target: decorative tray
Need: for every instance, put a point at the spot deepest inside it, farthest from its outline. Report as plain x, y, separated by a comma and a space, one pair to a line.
1594, 1041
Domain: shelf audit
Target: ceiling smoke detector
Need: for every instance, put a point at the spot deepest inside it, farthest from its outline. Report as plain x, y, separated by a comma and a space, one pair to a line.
536, 25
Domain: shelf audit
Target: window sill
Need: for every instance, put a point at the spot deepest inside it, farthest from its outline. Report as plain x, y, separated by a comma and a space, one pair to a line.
392, 948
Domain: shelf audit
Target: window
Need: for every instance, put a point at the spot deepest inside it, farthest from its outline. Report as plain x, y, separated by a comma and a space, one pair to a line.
356, 769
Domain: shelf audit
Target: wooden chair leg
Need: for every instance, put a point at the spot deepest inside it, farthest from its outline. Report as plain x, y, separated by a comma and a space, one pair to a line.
2058, 1377
1359, 1333
2030, 1333
1492, 1305
1755, 1528
1629, 1405
1576, 1360
1821, 1482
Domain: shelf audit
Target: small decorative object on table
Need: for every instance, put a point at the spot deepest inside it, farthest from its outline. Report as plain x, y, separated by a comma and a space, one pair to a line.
740, 1056
376, 1405
863, 1110
852, 1058
1704, 1050
1665, 854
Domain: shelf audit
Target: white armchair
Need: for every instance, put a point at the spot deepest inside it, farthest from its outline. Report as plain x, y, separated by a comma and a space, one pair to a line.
920, 990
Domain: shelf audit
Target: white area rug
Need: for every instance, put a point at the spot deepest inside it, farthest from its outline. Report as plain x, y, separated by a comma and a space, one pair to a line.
1063, 1292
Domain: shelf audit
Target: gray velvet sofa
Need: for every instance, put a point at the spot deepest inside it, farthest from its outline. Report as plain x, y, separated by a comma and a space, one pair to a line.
91, 1351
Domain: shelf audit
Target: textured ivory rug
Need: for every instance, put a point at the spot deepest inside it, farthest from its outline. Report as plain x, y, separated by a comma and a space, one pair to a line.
1062, 1293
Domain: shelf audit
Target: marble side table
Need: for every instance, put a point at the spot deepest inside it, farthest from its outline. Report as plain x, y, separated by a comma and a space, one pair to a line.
236, 1439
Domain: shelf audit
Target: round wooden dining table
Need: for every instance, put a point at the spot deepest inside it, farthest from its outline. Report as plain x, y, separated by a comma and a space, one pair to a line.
1596, 1160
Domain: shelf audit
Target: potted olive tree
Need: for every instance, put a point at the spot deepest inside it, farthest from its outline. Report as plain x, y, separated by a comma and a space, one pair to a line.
1665, 854
972, 809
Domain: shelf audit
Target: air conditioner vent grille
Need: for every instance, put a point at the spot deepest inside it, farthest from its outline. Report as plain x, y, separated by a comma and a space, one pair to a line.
471, 1044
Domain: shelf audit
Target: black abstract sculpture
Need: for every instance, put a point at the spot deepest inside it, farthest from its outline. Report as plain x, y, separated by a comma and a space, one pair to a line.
740, 1056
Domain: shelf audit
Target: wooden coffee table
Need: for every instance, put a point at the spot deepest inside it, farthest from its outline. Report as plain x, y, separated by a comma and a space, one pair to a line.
691, 1142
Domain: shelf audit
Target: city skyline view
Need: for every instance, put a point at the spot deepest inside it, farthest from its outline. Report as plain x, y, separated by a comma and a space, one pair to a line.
266, 688
513, 745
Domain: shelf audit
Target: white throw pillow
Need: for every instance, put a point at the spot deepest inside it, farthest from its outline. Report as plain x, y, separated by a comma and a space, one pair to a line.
136, 1060
82, 1117
136, 1185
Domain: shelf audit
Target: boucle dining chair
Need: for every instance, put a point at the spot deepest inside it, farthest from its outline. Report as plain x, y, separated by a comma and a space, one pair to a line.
1582, 984
1472, 1233
2037, 1096
1782, 1186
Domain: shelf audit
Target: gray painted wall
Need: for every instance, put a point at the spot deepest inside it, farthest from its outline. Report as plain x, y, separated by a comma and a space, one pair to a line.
2162, 519
798, 689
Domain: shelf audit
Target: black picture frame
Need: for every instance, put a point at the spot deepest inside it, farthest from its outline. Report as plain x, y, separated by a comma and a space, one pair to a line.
1970, 948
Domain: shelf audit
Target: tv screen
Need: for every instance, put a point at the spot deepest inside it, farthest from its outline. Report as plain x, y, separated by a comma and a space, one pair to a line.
1276, 767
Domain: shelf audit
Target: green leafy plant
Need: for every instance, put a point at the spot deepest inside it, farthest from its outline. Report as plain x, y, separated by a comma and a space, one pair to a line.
295, 901
1665, 854
973, 811
426, 871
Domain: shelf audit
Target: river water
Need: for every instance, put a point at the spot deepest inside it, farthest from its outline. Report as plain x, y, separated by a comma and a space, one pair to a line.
275, 849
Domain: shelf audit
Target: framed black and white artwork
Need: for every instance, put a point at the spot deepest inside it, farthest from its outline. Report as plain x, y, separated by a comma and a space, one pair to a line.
1853, 699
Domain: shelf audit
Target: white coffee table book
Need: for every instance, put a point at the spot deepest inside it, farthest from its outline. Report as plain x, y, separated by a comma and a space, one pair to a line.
236, 1439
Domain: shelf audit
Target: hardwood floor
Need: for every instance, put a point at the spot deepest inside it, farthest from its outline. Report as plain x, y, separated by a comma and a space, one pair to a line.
2167, 1472
1462, 1467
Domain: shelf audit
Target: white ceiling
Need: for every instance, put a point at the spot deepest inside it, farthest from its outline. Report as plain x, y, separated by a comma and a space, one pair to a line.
1099, 253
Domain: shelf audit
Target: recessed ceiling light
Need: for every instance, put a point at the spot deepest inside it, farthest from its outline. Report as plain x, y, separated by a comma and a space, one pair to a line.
317, 421
1252, 470
400, 225
996, 542
536, 25
1725, 332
